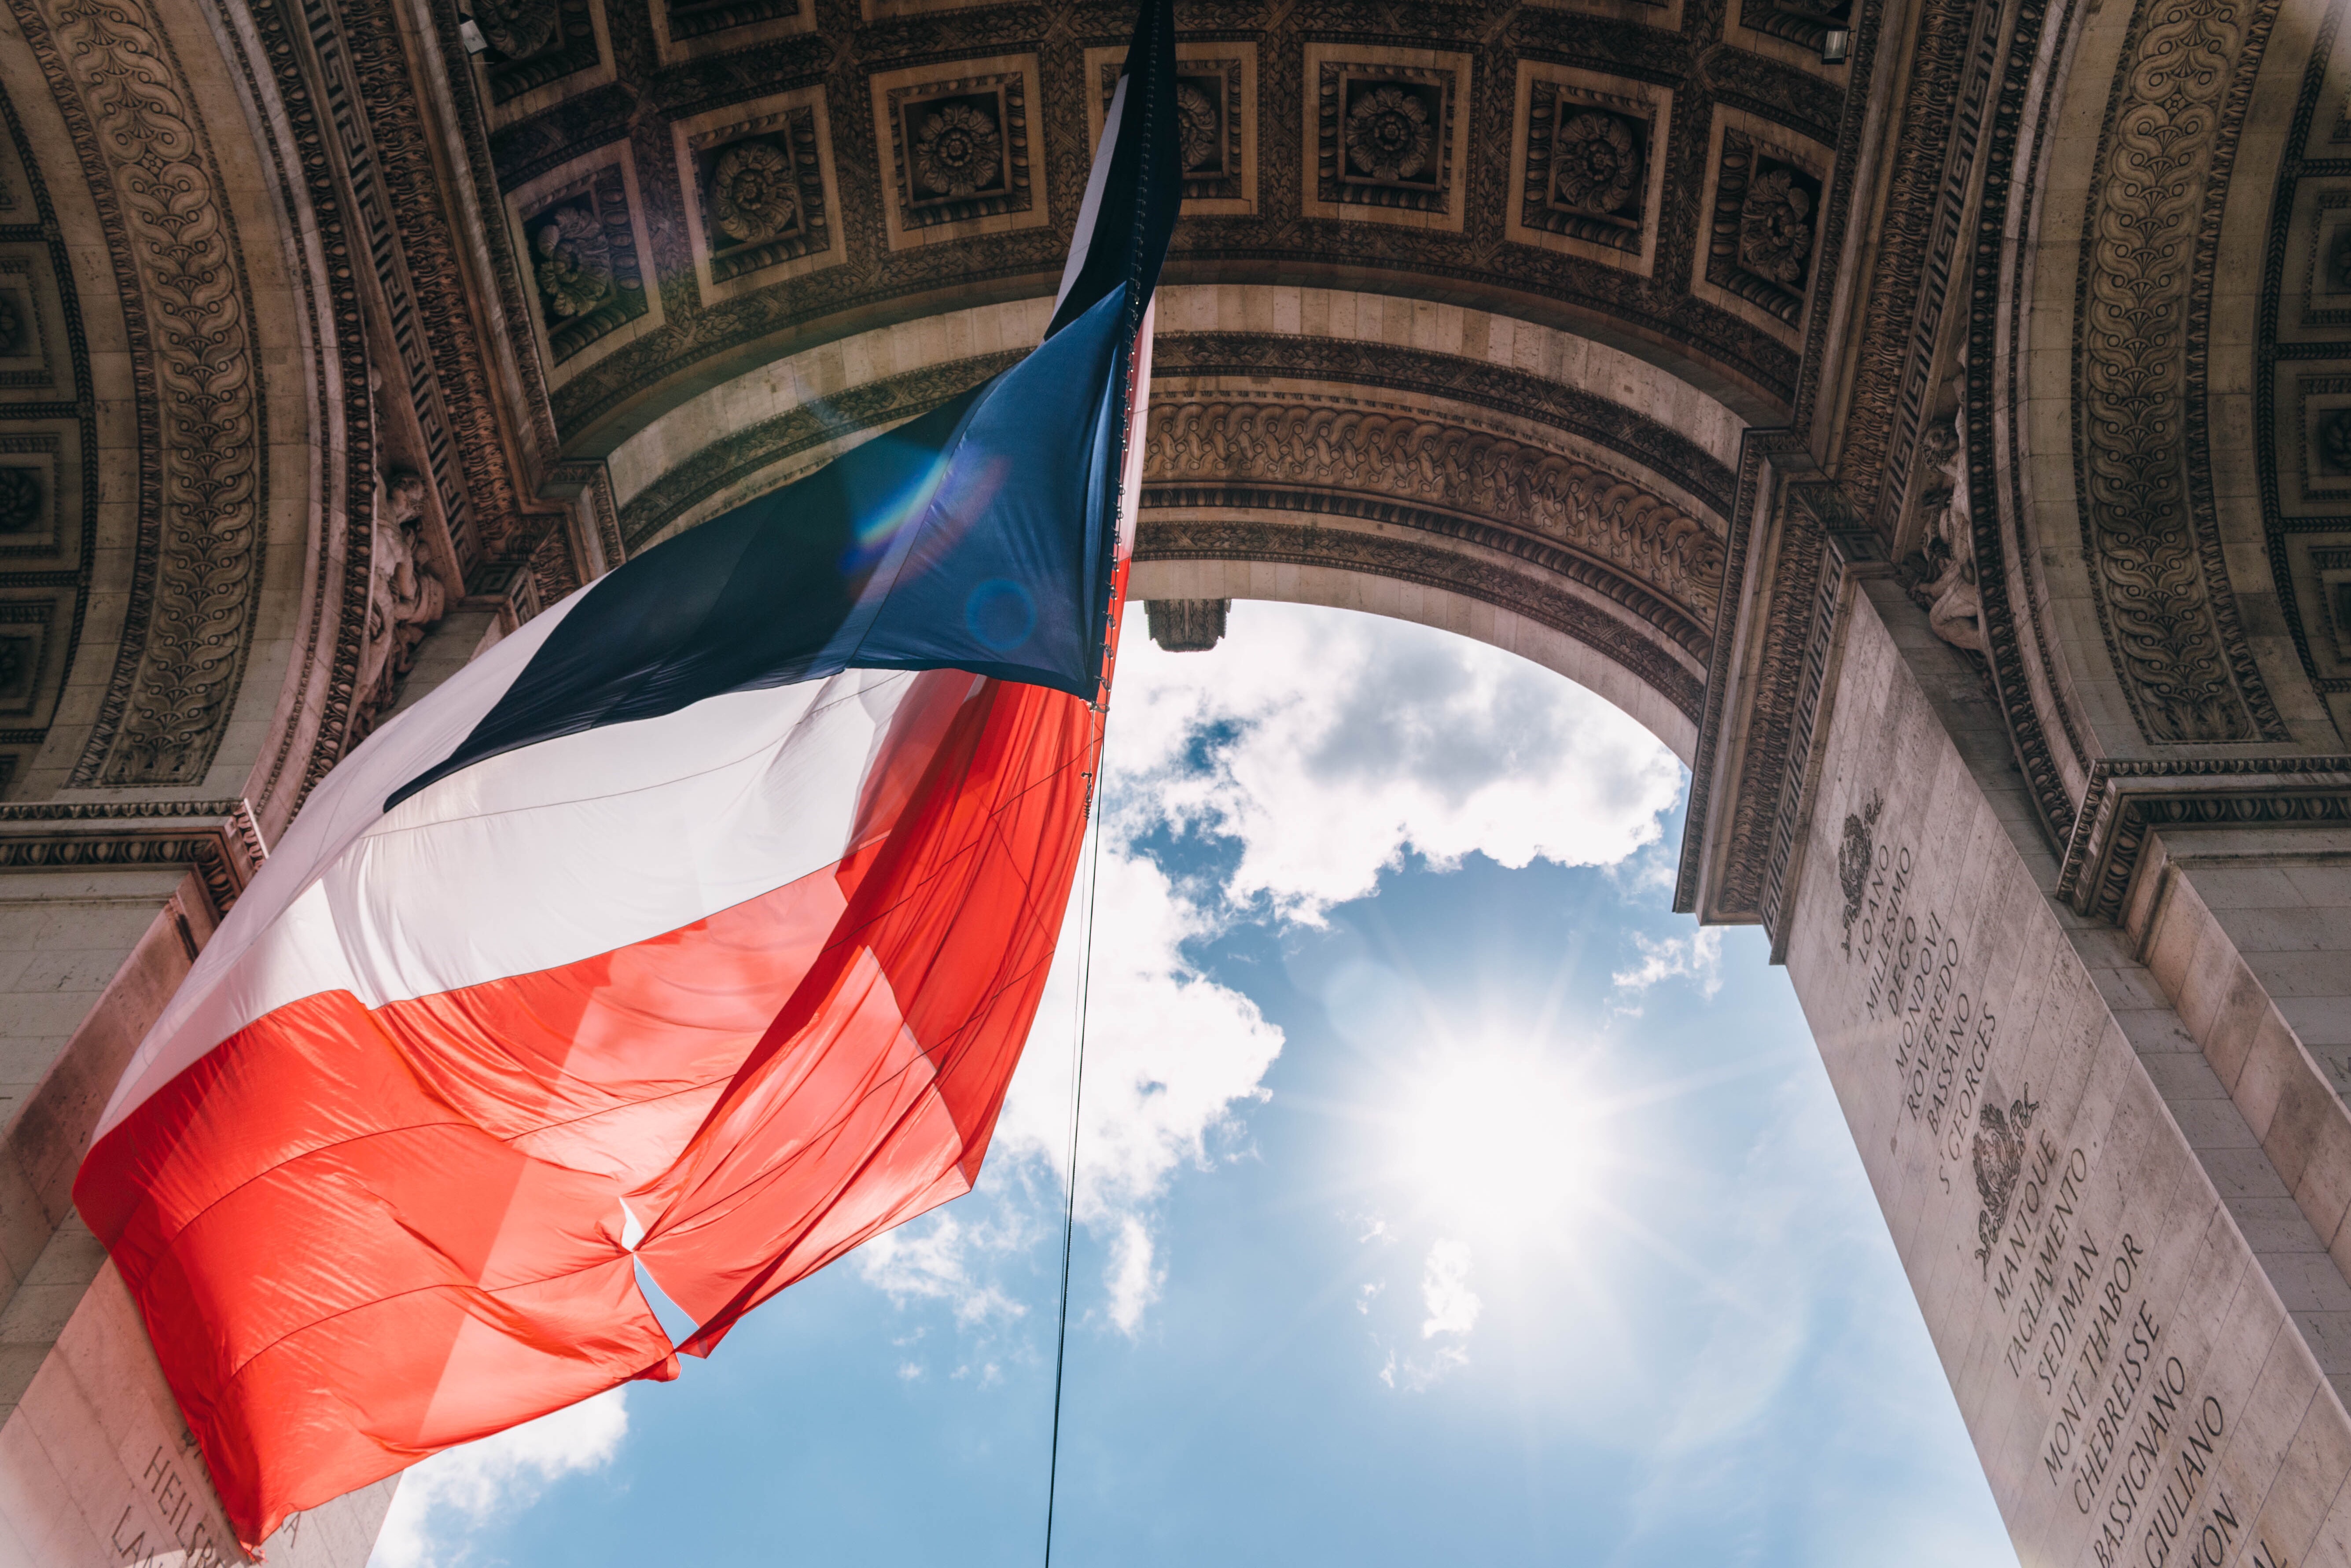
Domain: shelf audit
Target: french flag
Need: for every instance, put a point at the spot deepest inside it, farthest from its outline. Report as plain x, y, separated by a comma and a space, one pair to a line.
685, 939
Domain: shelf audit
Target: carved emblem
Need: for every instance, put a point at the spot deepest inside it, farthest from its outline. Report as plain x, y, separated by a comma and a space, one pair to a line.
2335, 441
1775, 230
519, 29
1198, 136
1766, 198
575, 266
20, 499
1999, 1156
958, 151
1854, 856
1389, 136
751, 190
1597, 166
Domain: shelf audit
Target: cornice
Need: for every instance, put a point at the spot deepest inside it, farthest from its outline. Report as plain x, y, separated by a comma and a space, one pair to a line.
220, 840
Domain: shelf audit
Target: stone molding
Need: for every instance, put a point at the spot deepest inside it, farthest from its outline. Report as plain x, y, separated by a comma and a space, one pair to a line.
1759, 450
220, 840
2127, 799
2142, 314
188, 308
1934, 158
1307, 442
1994, 339
1430, 564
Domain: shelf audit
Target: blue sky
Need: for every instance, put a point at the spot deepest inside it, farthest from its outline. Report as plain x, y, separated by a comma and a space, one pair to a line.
1443, 1197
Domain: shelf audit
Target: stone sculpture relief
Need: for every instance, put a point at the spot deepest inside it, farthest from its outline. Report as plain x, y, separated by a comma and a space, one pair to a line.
1943, 573
1462, 469
405, 595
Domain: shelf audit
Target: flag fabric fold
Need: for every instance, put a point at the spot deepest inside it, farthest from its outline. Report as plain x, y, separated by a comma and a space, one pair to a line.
691, 933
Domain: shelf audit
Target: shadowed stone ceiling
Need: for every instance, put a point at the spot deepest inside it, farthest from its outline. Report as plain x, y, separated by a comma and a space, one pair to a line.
703, 188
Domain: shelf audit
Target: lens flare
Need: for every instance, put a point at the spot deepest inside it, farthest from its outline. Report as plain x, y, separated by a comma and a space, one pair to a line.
1501, 1139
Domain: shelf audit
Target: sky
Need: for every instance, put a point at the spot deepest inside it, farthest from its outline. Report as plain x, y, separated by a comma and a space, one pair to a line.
1441, 1196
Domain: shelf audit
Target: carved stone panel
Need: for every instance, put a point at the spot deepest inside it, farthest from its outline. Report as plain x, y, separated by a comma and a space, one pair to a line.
1382, 133
1762, 223
1792, 30
2143, 313
41, 494
688, 30
1275, 441
36, 364
1216, 109
961, 151
540, 53
581, 230
33, 653
1588, 152
1665, 13
761, 175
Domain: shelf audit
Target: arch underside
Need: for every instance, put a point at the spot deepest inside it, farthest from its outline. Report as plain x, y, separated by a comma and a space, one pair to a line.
1486, 474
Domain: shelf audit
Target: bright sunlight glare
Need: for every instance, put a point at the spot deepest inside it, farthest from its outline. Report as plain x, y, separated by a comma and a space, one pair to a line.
1501, 1139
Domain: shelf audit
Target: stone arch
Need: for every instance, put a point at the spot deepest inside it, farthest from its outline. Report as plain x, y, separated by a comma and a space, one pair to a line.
1476, 471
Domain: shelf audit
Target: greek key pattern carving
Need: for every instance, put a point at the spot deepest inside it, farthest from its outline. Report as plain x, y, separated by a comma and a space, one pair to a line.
198, 569
2142, 312
1464, 470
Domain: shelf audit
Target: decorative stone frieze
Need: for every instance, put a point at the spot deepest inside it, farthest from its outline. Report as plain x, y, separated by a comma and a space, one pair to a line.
1280, 441
961, 153
2143, 303
581, 230
1215, 103
762, 178
144, 148
218, 840
1383, 137
1588, 151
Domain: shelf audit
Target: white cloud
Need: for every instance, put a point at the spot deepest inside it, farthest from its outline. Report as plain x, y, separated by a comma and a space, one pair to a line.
1333, 742
1322, 745
1453, 1306
932, 1261
454, 1494
1697, 956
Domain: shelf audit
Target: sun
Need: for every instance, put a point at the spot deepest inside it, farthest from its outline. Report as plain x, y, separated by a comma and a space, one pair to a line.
1500, 1139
